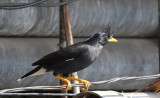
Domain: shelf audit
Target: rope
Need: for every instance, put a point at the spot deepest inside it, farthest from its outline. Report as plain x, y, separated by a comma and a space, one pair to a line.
34, 88
13, 6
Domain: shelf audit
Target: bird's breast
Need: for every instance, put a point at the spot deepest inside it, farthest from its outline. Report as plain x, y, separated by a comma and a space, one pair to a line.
92, 53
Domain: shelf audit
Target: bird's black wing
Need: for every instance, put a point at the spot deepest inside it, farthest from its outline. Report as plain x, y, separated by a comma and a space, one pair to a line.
70, 52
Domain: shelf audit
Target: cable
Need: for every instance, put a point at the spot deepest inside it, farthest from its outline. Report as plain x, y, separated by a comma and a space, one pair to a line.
57, 4
34, 88
37, 3
24, 5
37, 94
126, 78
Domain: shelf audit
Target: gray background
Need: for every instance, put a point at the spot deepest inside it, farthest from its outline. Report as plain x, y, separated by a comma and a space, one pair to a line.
26, 37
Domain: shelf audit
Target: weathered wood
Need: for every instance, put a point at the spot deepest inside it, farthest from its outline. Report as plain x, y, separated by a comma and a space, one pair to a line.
62, 38
69, 40
159, 30
153, 87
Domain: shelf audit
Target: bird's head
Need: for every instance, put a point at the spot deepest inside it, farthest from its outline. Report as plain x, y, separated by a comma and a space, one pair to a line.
105, 36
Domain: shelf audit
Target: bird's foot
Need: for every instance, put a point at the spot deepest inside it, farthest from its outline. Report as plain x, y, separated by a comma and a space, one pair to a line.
67, 82
86, 83
68, 85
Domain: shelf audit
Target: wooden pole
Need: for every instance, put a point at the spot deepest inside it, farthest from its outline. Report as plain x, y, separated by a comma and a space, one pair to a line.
153, 87
66, 38
159, 30
69, 41
62, 38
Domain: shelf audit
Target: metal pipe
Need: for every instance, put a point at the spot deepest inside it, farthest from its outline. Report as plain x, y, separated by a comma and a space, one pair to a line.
113, 94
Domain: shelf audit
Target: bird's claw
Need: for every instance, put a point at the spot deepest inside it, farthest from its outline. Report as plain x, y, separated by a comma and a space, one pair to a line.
68, 86
86, 85
67, 82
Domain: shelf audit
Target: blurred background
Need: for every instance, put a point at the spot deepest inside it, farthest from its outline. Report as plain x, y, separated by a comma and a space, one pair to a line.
28, 34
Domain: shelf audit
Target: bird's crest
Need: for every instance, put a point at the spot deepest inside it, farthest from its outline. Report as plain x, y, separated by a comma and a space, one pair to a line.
107, 30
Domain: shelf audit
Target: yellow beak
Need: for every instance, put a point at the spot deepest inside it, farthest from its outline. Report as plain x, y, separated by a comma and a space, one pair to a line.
112, 40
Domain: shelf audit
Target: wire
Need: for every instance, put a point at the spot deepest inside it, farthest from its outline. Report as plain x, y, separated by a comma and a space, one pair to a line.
34, 88
126, 78
37, 3
37, 94
24, 5
57, 4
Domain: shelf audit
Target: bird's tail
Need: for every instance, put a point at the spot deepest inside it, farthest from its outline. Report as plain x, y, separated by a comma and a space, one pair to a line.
37, 71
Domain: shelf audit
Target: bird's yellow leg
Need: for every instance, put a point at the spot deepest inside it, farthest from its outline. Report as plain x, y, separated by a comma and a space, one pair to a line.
86, 83
67, 82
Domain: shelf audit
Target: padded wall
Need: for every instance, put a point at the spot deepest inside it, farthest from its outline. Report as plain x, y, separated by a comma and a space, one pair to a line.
136, 53
128, 18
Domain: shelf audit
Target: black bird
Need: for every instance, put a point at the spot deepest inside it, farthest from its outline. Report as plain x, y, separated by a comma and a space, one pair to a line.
73, 58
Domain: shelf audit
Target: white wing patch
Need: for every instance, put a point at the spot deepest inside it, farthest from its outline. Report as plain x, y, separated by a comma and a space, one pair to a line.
69, 59
40, 71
